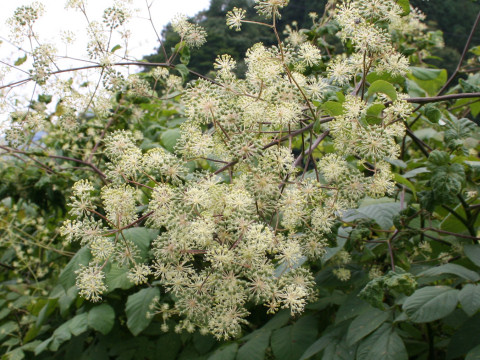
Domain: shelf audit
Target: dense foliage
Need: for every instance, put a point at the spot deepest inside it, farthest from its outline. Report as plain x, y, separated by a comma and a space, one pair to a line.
319, 201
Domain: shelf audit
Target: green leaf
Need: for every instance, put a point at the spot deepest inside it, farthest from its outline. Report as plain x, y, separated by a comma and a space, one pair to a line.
7, 328
68, 277
473, 253
432, 113
137, 308
474, 354
115, 48
374, 76
183, 70
381, 86
47, 309
405, 5
169, 345
425, 74
42, 346
430, 80
364, 324
430, 303
203, 343
227, 352
469, 298
454, 269
468, 87
20, 60
383, 344
375, 110
4, 312
60, 335
458, 129
16, 354
101, 318
254, 349
333, 108
78, 324
465, 338
352, 307
447, 179
289, 343
415, 172
382, 213
402, 180
169, 139
339, 350
141, 237
116, 278
331, 335
185, 55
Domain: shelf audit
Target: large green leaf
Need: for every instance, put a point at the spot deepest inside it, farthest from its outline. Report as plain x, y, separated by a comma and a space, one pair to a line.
333, 108
78, 324
169, 138
432, 113
383, 344
168, 345
338, 350
447, 179
141, 237
364, 324
101, 318
276, 322
474, 354
473, 253
457, 129
137, 308
352, 307
382, 213
68, 277
405, 5
430, 80
331, 335
465, 338
7, 328
469, 298
430, 303
227, 352
454, 269
288, 343
381, 86
116, 278
60, 335
254, 348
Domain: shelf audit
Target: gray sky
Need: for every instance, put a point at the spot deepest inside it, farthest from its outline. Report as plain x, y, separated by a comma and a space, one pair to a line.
143, 40
56, 18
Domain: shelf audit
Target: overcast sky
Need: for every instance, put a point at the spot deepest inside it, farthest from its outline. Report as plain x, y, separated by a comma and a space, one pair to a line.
56, 18
143, 40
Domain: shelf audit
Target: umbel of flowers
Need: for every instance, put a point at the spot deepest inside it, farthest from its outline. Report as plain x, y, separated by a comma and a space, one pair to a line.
240, 233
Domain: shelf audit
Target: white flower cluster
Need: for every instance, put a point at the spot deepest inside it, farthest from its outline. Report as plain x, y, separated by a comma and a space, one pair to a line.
239, 234
193, 34
367, 23
23, 19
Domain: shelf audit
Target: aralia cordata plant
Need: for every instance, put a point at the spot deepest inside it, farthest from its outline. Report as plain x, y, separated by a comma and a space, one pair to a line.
237, 234
240, 234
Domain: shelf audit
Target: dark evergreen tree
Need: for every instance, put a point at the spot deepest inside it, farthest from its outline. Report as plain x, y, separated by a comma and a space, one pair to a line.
453, 17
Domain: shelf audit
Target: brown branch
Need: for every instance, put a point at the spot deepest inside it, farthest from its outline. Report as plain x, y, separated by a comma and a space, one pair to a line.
92, 166
462, 58
425, 100
312, 148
